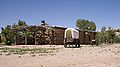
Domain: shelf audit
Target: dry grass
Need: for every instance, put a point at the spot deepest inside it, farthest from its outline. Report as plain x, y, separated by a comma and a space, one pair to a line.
22, 51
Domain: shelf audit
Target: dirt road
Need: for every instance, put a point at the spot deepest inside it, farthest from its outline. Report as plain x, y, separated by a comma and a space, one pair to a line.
107, 56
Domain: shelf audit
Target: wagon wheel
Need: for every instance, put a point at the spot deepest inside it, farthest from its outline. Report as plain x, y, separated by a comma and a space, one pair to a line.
65, 45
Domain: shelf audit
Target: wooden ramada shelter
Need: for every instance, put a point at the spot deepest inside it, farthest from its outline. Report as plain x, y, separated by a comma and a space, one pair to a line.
43, 35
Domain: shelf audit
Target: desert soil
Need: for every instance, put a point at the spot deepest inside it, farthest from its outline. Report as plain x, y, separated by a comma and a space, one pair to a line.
86, 56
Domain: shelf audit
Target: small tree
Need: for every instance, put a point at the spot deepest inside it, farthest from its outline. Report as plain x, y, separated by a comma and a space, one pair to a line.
103, 29
21, 23
107, 36
86, 25
7, 33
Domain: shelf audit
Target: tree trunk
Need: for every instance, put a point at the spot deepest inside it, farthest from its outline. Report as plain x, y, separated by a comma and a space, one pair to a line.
35, 38
15, 39
25, 40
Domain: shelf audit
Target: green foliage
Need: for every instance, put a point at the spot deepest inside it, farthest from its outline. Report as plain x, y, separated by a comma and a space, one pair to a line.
86, 25
21, 51
25, 34
9, 33
103, 29
107, 36
21, 23
14, 26
20, 30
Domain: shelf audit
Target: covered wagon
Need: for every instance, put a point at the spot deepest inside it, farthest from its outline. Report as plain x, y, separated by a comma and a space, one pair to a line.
71, 37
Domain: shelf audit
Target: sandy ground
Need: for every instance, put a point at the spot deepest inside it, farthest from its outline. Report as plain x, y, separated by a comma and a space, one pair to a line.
87, 56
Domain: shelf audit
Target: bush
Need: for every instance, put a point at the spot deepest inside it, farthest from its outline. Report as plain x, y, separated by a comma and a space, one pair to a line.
107, 36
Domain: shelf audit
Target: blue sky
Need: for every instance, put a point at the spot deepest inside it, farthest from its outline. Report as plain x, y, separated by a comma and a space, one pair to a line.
60, 12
